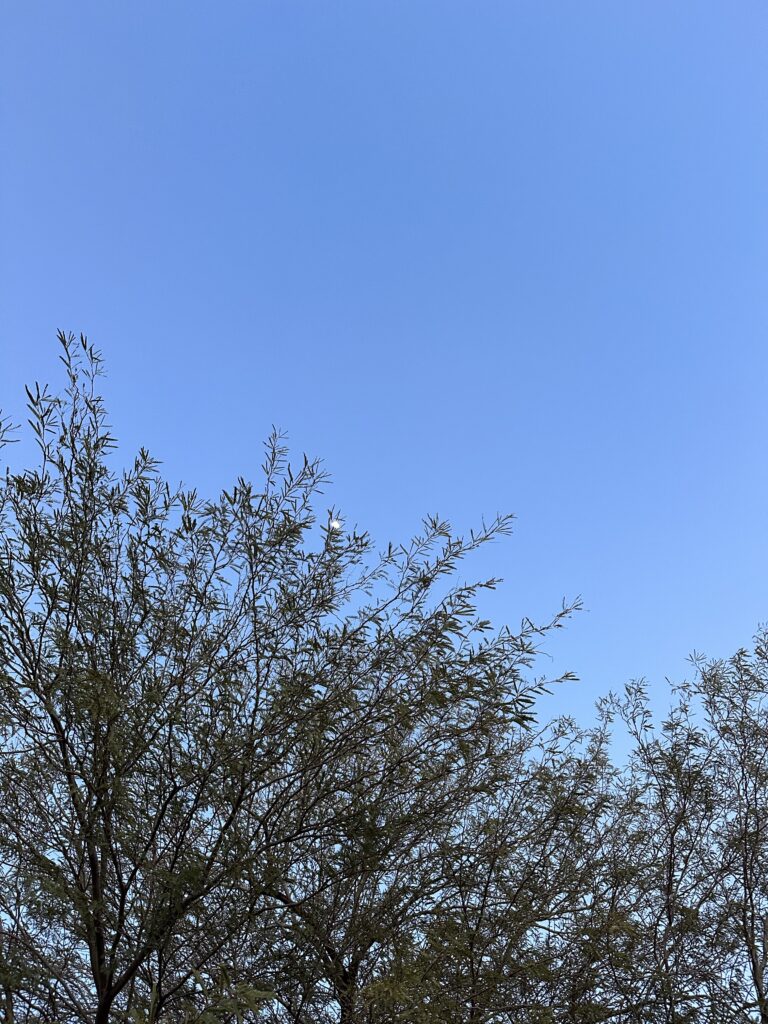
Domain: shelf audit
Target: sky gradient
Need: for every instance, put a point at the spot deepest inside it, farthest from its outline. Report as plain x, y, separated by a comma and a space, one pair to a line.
479, 257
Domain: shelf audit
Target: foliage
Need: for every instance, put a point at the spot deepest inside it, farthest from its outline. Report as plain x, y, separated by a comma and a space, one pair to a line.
252, 771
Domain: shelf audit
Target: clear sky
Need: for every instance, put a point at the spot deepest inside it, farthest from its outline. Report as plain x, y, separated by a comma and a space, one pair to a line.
478, 256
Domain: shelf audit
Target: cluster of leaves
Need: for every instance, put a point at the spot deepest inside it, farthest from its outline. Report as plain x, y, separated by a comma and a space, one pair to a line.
252, 771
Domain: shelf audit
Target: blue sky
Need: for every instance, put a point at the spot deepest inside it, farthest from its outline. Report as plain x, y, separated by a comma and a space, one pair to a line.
478, 256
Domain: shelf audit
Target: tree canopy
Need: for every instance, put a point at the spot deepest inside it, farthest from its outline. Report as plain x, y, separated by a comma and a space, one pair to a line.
253, 770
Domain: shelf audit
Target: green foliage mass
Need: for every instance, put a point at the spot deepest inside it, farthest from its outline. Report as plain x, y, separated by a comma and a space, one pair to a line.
251, 770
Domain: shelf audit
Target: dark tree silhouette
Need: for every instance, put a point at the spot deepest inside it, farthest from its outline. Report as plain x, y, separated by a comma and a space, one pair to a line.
252, 771
235, 745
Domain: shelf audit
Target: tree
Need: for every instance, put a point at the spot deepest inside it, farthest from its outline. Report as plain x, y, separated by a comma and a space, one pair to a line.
692, 889
235, 744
